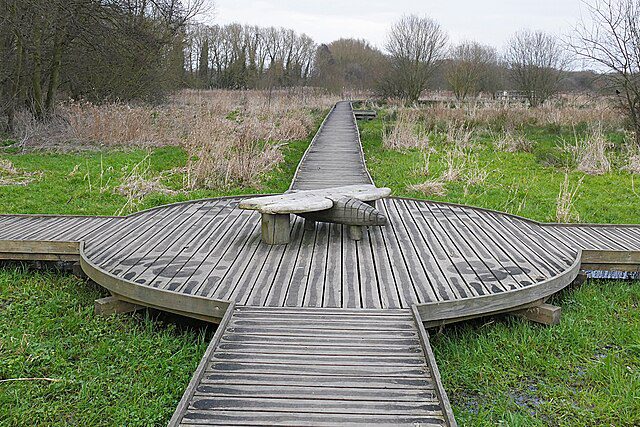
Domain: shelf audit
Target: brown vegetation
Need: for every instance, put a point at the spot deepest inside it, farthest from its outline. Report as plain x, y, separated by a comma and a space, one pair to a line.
231, 137
10, 175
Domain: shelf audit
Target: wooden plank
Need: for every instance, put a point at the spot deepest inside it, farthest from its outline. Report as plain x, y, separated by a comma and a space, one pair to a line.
533, 243
112, 305
191, 275
162, 255
297, 286
261, 418
429, 282
445, 405
148, 252
506, 243
390, 383
277, 270
351, 295
457, 279
39, 247
287, 391
131, 254
545, 314
511, 274
315, 285
234, 403
221, 258
369, 291
333, 273
481, 260
404, 281
277, 292
204, 240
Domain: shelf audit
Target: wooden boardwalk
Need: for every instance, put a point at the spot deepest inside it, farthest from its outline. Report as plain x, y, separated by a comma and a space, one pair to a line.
335, 156
323, 306
300, 366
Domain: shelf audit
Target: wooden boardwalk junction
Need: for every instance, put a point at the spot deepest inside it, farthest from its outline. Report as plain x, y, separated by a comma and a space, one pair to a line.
325, 329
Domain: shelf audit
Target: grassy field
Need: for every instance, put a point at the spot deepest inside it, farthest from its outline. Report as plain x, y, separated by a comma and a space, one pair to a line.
522, 183
121, 370
133, 369
86, 183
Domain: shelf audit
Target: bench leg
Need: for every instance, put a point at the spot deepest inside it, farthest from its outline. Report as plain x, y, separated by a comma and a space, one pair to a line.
355, 232
276, 229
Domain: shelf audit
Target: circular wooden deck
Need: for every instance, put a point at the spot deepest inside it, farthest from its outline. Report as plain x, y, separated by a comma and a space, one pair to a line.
429, 253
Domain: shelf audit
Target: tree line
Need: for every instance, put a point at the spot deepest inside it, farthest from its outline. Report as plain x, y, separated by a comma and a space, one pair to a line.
92, 49
104, 50
244, 56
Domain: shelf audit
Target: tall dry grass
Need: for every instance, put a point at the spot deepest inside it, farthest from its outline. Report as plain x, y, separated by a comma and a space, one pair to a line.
231, 137
565, 209
590, 152
405, 133
498, 116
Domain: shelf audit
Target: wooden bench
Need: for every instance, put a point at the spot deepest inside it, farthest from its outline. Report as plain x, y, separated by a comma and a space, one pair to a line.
349, 205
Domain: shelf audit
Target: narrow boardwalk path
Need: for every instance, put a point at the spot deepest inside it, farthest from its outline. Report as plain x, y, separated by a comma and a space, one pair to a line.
316, 367
335, 156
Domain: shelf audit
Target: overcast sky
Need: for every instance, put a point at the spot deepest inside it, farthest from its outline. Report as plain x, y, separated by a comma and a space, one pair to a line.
487, 21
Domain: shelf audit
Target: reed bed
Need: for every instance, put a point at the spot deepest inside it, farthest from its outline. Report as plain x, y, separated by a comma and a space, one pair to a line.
231, 137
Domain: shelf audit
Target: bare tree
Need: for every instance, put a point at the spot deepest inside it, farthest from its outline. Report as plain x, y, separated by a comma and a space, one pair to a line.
536, 63
415, 46
610, 40
470, 68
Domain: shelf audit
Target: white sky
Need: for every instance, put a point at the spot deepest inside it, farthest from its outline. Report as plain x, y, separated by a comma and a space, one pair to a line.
487, 21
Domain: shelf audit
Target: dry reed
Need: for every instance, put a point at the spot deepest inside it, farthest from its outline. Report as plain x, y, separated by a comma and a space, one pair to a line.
429, 188
590, 152
405, 133
565, 209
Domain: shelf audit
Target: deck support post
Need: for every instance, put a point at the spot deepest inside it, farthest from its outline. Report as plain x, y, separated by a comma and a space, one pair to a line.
111, 305
76, 270
355, 232
545, 314
276, 229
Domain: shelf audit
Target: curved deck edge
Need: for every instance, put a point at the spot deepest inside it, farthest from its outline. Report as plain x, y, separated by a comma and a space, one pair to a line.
195, 306
443, 312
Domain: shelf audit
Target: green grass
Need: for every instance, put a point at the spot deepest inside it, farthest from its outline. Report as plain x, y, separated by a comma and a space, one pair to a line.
583, 372
84, 183
121, 370
519, 183
132, 370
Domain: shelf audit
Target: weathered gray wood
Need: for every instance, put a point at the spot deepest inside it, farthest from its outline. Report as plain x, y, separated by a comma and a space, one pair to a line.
276, 229
249, 368
355, 232
304, 201
335, 156
545, 314
113, 305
